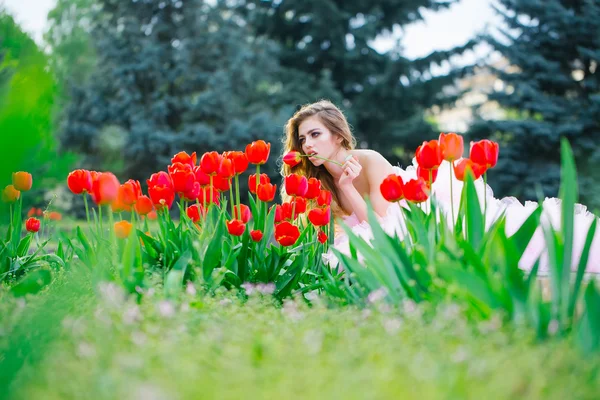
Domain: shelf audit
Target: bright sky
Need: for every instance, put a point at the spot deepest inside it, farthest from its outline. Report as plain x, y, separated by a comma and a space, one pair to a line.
441, 30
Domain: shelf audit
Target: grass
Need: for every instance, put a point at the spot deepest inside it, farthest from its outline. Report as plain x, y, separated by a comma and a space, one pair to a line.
69, 343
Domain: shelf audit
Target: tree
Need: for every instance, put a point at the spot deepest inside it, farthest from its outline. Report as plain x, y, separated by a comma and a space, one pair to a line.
552, 90
174, 76
384, 95
27, 109
68, 37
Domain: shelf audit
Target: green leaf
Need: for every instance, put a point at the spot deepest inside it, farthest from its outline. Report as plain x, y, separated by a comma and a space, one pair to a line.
211, 258
585, 253
568, 195
472, 211
24, 245
32, 283
521, 238
588, 331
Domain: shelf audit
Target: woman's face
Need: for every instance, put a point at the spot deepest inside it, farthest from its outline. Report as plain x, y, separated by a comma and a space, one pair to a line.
315, 138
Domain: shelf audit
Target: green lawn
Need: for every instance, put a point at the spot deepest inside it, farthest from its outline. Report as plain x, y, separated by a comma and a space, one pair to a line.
76, 345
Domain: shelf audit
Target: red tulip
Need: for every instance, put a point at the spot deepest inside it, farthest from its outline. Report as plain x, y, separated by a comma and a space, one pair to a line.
194, 212
160, 179
452, 146
278, 213
319, 216
118, 206
300, 204
292, 158
152, 215
286, 209
236, 227
221, 184
392, 188
22, 181
10, 194
484, 152
205, 196
201, 177
322, 237
105, 188
239, 159
129, 192
296, 185
184, 158
143, 205
286, 234
191, 194
425, 174
324, 198
226, 168
242, 212
210, 162
183, 177
256, 235
162, 196
123, 229
416, 190
264, 178
258, 152
32, 224
80, 181
314, 189
467, 164
429, 155
267, 192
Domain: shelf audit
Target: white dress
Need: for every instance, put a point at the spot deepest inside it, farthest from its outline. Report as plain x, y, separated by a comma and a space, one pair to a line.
516, 214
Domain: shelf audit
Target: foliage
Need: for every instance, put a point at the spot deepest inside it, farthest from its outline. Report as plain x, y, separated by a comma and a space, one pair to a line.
552, 83
385, 95
27, 99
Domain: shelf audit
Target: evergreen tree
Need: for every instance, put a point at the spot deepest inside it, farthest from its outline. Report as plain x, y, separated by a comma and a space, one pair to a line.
175, 76
552, 90
385, 96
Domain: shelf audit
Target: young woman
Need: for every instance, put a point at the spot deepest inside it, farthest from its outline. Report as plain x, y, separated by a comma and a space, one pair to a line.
321, 132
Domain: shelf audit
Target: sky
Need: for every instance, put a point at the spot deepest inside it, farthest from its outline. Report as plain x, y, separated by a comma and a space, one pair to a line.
440, 30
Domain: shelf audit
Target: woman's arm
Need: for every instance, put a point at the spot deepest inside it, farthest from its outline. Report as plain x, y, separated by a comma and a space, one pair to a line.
356, 202
378, 169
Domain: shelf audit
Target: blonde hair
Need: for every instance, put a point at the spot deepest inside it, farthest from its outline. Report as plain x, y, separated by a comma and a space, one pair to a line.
335, 121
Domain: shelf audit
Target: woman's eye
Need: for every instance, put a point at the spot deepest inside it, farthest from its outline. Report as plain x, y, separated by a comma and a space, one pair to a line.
315, 134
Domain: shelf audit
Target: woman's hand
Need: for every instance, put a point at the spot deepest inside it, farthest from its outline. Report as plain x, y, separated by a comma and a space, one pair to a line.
350, 170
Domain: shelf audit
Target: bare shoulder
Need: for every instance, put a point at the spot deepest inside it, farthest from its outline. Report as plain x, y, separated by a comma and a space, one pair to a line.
371, 158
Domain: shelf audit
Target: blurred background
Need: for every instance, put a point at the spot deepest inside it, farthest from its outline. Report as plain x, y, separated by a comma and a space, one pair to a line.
122, 85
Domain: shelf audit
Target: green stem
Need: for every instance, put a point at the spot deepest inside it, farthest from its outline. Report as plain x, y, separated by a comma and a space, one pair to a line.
87, 209
231, 200
322, 158
430, 188
484, 198
100, 220
133, 220
237, 194
451, 193
203, 199
257, 178
211, 191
